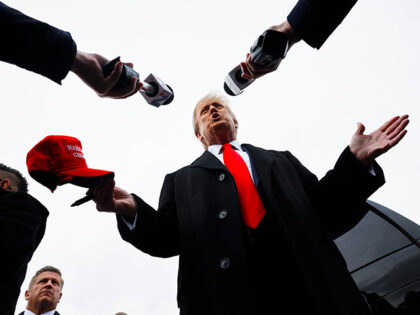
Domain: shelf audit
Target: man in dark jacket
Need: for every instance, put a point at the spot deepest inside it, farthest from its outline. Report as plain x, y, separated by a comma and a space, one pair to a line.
253, 228
51, 52
22, 226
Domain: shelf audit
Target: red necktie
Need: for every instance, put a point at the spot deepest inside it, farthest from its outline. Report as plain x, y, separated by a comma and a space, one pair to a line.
251, 206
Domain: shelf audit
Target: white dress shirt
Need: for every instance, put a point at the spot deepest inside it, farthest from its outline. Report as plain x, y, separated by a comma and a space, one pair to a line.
216, 148
28, 312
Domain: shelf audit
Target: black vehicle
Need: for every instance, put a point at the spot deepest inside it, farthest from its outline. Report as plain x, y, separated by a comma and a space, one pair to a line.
383, 256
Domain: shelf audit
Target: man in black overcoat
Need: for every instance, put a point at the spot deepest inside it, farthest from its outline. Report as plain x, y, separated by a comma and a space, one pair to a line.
22, 227
288, 263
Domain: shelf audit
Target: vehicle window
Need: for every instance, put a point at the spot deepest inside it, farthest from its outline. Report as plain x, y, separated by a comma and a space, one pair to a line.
369, 240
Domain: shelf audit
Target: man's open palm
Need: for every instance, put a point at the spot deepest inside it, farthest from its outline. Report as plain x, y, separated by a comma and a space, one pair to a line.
368, 147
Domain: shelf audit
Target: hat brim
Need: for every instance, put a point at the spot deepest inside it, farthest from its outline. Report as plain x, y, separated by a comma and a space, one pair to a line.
84, 177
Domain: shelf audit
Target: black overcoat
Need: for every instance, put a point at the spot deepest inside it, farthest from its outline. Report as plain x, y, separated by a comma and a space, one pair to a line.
35, 45
22, 227
307, 213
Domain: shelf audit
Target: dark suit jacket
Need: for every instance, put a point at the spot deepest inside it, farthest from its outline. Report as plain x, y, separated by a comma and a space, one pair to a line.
307, 214
315, 20
34, 45
22, 226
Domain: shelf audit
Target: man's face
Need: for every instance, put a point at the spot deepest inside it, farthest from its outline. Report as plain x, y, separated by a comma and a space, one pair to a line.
45, 291
215, 123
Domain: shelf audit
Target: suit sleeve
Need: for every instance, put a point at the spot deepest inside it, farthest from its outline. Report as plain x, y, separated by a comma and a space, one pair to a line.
339, 197
315, 20
34, 45
21, 223
156, 232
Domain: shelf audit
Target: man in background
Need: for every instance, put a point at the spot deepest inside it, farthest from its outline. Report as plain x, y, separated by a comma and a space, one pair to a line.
22, 226
44, 292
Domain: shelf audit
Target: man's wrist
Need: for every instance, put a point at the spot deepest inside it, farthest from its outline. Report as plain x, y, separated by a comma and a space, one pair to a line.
129, 211
361, 157
287, 29
81, 59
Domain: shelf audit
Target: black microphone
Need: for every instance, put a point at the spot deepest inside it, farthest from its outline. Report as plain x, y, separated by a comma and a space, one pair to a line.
267, 50
154, 90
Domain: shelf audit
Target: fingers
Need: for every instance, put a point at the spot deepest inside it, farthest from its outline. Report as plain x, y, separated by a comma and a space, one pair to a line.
397, 126
127, 91
103, 195
245, 71
112, 79
398, 138
131, 89
89, 191
386, 125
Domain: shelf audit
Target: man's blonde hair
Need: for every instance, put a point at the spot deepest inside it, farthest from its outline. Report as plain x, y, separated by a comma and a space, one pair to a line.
45, 269
212, 97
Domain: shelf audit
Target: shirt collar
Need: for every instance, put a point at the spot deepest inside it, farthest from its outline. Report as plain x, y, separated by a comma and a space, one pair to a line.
215, 148
28, 312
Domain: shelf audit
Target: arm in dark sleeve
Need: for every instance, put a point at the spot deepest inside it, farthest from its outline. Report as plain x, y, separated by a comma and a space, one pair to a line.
339, 197
21, 222
315, 20
156, 232
22, 226
34, 45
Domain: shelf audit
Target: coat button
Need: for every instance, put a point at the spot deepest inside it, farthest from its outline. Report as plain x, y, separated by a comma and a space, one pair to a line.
222, 177
222, 214
224, 263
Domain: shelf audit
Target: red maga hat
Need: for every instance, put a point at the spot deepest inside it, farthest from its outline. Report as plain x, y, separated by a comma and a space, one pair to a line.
58, 160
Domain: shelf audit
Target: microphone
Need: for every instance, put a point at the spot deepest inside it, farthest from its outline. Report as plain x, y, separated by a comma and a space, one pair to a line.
154, 90
269, 48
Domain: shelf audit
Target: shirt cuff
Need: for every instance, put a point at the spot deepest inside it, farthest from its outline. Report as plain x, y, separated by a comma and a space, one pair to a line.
370, 169
131, 226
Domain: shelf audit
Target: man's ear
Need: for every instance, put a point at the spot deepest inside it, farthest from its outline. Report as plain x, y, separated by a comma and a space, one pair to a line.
199, 136
5, 183
27, 295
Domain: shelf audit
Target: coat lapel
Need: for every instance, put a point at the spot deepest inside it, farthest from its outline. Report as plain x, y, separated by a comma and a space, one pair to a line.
209, 161
261, 163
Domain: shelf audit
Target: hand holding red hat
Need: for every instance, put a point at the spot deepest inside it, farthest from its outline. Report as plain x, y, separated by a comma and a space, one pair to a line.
109, 198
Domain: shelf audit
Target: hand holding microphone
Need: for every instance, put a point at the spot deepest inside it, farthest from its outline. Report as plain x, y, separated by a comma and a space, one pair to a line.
153, 89
265, 56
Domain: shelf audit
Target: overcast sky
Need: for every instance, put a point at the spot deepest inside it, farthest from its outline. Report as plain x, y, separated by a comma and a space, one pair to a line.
367, 71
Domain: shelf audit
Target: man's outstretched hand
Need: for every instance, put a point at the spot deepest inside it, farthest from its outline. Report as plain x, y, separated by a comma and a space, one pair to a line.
109, 198
368, 147
89, 69
253, 71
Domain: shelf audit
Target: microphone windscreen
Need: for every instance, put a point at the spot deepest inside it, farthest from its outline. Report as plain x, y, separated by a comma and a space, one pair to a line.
228, 90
